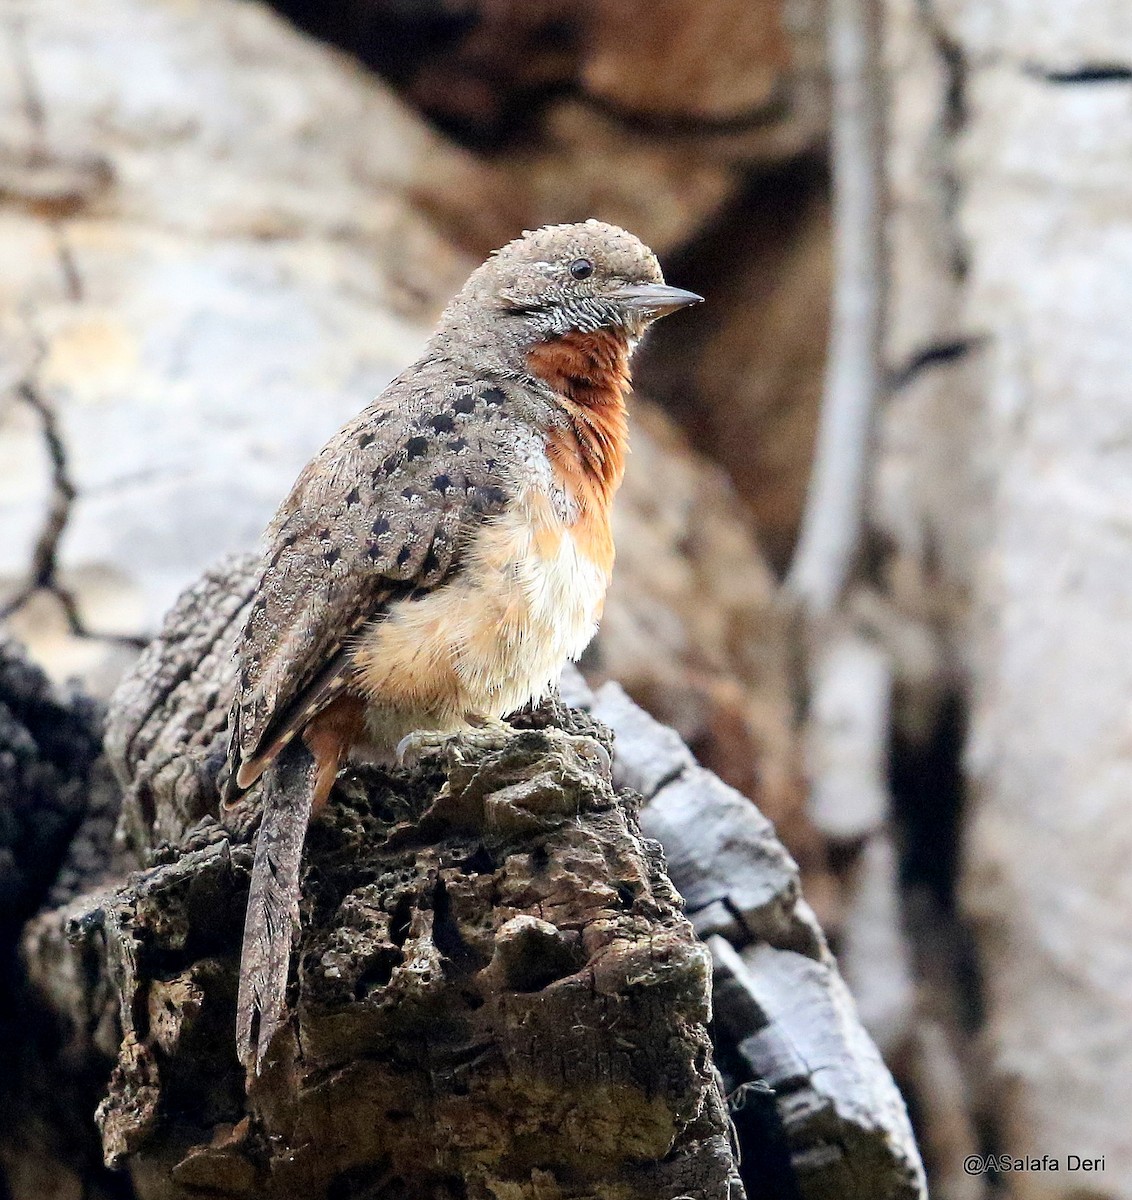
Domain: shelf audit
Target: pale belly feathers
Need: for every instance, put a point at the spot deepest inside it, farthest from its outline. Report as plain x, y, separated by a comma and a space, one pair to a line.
525, 600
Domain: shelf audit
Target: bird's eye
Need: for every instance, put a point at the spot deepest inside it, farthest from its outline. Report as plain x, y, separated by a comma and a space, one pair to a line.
581, 268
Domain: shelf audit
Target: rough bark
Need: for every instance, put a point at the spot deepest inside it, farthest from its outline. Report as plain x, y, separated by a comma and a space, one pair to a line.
495, 993
488, 946
58, 805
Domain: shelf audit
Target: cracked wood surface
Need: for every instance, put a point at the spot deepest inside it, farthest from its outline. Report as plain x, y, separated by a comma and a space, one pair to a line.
846, 1135
494, 990
1003, 494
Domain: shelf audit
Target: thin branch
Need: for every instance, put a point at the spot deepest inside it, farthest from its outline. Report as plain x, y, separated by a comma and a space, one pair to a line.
831, 527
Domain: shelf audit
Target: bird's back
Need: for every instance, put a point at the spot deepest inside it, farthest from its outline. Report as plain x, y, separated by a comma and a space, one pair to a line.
382, 515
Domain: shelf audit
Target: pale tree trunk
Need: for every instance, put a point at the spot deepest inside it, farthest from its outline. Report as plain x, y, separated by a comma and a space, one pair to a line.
1003, 489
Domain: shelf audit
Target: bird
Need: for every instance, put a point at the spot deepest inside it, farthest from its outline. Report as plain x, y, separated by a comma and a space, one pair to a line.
443, 556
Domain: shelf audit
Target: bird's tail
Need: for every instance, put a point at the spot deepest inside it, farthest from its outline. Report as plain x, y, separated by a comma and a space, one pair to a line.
273, 901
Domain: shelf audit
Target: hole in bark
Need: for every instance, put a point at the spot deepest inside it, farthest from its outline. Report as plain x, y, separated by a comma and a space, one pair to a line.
479, 863
927, 787
378, 973
399, 920
535, 961
446, 935
626, 894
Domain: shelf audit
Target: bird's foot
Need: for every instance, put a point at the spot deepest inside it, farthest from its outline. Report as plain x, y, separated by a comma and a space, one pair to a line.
415, 747
481, 735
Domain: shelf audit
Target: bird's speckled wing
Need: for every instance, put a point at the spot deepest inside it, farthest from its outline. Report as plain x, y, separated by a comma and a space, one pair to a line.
384, 510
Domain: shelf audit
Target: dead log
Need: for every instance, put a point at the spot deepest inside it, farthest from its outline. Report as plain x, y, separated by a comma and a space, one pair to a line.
494, 991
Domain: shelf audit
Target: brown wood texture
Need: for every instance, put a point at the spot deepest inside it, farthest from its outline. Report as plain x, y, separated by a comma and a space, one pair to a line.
494, 990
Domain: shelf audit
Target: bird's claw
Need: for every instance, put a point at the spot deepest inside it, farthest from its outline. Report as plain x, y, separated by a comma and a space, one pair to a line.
480, 735
415, 747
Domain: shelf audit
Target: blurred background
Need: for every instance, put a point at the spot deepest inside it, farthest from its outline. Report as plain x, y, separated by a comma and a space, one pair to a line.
875, 543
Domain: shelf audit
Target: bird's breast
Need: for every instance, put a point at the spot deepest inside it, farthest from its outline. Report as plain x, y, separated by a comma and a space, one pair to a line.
526, 597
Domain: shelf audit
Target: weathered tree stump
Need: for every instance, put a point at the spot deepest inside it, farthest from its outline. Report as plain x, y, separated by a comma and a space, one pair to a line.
495, 992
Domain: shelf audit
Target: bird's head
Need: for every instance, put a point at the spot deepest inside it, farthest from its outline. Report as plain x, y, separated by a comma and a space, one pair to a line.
581, 278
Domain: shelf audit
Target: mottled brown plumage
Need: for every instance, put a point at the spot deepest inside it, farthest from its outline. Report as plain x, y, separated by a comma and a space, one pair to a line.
447, 550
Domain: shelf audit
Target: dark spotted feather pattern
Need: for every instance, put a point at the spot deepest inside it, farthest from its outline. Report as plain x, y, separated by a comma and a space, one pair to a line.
383, 511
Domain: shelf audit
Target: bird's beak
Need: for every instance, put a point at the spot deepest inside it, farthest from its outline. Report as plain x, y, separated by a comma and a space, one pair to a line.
654, 299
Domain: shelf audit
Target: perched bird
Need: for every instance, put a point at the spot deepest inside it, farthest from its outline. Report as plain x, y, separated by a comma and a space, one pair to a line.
446, 552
